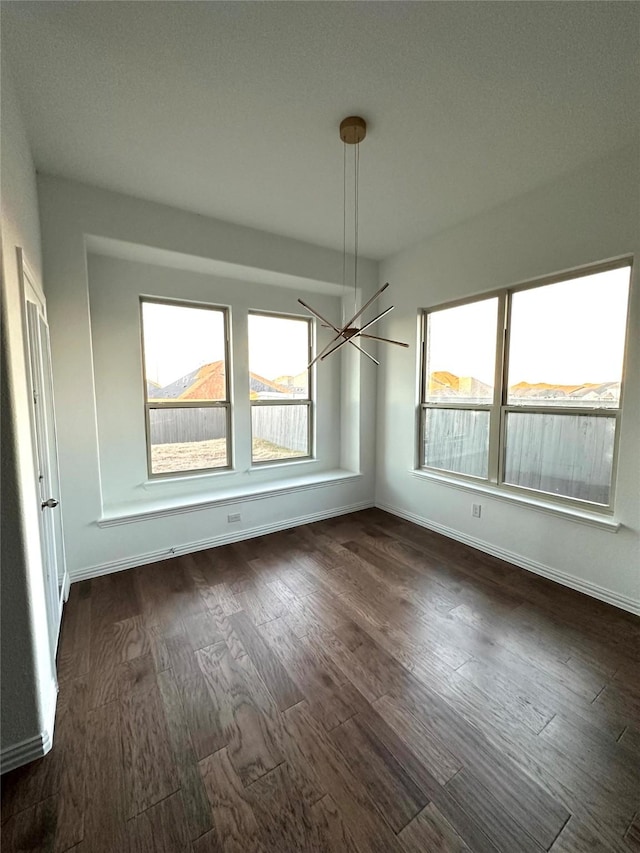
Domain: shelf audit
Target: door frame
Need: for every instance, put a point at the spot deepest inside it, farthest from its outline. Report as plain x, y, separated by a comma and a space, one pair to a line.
31, 291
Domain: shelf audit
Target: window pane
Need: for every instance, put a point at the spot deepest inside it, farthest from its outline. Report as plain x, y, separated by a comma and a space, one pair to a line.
184, 352
569, 455
457, 440
461, 352
278, 357
567, 341
187, 439
279, 432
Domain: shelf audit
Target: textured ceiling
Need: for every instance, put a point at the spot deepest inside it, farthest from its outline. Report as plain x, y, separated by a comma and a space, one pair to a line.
231, 109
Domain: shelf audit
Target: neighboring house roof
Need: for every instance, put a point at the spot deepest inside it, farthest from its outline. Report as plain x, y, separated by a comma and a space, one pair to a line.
442, 383
445, 384
209, 383
152, 389
205, 383
298, 381
607, 390
588, 390
259, 383
441, 379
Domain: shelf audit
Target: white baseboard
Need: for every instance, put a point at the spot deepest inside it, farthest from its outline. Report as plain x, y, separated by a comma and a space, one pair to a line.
25, 751
65, 586
594, 590
213, 542
33, 747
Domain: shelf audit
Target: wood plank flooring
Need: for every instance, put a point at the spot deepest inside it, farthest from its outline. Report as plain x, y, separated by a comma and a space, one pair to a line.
358, 685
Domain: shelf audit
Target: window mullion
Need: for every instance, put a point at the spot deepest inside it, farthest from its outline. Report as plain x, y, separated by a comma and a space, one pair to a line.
495, 425
291, 401
240, 391
614, 465
472, 407
504, 390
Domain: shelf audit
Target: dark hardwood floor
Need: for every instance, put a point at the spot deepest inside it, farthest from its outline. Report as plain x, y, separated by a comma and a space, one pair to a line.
358, 684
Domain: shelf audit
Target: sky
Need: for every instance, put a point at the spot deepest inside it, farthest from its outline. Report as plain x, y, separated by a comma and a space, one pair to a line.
277, 346
545, 345
179, 339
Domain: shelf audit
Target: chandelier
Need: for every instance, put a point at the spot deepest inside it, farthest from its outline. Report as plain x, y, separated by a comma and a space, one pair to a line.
352, 131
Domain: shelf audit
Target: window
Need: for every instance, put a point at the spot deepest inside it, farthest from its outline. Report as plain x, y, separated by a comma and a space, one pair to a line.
279, 387
522, 388
186, 386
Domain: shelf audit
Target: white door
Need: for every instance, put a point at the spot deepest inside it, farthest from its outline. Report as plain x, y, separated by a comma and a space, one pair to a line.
45, 449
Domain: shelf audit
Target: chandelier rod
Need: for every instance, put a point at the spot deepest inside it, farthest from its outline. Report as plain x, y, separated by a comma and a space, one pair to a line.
356, 213
344, 218
353, 130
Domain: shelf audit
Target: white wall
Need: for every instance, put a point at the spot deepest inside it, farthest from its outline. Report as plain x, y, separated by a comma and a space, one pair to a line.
28, 683
588, 216
74, 215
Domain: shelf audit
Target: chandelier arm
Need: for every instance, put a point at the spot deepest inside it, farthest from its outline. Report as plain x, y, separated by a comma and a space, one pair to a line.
323, 350
366, 305
328, 325
373, 337
375, 319
353, 343
341, 344
386, 340
364, 352
317, 314
359, 332
321, 354
350, 340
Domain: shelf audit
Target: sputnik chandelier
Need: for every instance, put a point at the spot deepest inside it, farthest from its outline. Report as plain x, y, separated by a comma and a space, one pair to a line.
352, 131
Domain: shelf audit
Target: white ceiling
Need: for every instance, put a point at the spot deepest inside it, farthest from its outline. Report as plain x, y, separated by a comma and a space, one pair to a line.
231, 109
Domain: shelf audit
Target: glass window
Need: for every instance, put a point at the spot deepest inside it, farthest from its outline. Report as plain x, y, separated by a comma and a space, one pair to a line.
552, 424
279, 432
461, 353
561, 454
187, 439
186, 388
458, 387
457, 440
279, 387
566, 342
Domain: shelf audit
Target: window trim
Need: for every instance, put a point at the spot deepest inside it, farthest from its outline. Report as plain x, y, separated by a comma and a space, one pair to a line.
190, 404
308, 401
499, 407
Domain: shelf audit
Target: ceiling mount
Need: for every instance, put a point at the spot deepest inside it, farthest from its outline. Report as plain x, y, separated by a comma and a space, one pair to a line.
353, 130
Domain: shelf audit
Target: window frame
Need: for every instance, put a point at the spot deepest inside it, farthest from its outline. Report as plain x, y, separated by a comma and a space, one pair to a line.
195, 404
308, 401
499, 408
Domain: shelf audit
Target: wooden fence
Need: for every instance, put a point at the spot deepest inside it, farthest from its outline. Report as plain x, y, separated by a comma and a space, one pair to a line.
284, 426
182, 426
569, 455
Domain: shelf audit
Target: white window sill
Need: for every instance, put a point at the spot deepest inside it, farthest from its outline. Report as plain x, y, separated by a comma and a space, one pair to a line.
141, 511
593, 519
212, 473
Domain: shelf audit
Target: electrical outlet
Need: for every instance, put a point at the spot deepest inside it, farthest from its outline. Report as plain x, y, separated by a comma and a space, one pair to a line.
234, 516
476, 510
